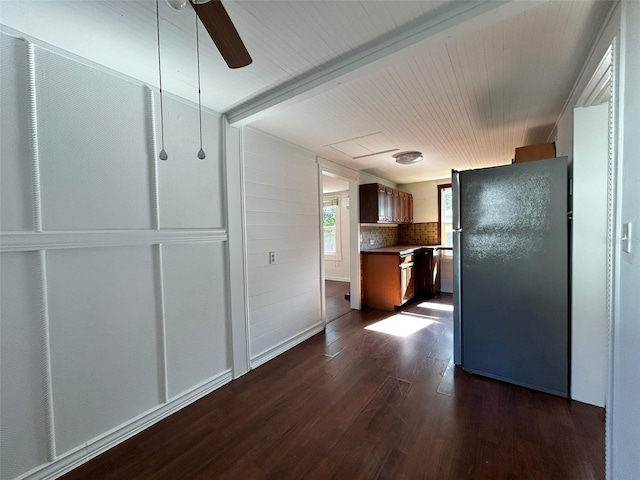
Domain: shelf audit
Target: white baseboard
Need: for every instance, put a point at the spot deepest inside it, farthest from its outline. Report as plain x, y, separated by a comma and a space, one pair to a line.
76, 457
337, 279
286, 345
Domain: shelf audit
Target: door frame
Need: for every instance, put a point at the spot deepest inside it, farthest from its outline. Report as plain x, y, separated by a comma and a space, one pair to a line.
327, 167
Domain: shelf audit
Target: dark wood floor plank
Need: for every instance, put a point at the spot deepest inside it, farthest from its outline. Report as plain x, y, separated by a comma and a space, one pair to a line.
352, 403
336, 305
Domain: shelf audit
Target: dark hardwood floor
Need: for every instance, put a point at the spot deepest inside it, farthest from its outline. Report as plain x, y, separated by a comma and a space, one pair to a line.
355, 403
335, 303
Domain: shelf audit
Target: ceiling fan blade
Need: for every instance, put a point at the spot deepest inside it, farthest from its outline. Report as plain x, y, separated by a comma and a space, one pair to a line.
215, 19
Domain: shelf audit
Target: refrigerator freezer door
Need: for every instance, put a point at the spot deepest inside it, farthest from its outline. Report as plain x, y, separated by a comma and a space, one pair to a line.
514, 272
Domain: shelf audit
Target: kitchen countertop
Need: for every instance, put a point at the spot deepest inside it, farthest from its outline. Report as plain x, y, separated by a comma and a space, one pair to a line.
405, 249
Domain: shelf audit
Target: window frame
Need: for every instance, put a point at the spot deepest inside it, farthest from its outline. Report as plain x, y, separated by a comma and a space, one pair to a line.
337, 255
441, 187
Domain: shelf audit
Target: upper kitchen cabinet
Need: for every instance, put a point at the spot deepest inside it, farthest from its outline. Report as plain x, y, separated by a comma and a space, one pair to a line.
382, 204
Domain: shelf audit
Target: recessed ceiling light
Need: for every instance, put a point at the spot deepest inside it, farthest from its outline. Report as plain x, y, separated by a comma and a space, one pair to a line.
407, 158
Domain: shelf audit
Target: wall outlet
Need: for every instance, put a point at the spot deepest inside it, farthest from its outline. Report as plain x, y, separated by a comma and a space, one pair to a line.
371, 242
272, 257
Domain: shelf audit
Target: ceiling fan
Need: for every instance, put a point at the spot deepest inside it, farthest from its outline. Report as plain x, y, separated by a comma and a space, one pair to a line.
216, 20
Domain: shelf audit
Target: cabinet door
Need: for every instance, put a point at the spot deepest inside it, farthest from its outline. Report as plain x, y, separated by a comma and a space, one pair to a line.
369, 204
407, 282
389, 212
397, 206
404, 200
381, 287
382, 203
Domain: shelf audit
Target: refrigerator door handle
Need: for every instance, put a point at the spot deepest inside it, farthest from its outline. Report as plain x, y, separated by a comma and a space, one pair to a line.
455, 190
457, 298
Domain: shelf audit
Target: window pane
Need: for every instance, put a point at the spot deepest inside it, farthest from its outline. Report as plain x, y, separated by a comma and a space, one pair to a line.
331, 226
329, 216
447, 205
447, 238
330, 239
446, 215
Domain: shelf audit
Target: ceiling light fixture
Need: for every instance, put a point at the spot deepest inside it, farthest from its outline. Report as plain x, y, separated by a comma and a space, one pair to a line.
408, 158
180, 4
177, 4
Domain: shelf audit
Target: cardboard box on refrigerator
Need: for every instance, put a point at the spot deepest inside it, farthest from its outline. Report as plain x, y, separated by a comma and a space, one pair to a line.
541, 151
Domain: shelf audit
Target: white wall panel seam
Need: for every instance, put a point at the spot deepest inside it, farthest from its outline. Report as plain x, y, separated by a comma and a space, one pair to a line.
35, 152
163, 374
612, 197
46, 357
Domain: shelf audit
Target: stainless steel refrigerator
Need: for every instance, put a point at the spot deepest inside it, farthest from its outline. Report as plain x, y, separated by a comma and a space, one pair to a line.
511, 273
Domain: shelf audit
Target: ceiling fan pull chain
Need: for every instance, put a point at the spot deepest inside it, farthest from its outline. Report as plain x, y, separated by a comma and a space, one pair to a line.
163, 155
201, 154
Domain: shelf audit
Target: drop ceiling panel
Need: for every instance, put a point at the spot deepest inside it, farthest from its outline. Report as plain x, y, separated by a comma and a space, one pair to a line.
365, 145
467, 102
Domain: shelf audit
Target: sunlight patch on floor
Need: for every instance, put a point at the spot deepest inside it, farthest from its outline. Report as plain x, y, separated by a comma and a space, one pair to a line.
436, 306
401, 325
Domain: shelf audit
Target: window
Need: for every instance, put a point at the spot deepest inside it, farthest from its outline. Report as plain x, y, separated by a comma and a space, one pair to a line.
331, 227
445, 214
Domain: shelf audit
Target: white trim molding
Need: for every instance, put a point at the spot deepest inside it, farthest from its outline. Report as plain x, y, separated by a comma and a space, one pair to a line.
288, 344
337, 279
72, 459
33, 241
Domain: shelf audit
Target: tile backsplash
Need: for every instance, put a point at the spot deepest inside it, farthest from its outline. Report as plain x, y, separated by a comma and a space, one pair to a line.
418, 234
381, 236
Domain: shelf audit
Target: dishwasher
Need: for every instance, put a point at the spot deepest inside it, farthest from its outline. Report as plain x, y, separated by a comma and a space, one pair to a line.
428, 268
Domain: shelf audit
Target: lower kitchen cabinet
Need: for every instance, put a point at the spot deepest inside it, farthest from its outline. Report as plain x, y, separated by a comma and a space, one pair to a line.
388, 280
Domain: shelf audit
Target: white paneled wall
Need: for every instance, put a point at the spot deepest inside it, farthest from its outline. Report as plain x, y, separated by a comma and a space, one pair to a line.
22, 387
425, 199
189, 187
92, 128
15, 141
103, 336
194, 276
283, 216
114, 267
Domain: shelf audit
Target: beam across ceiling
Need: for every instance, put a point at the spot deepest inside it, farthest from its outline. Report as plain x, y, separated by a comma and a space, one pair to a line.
462, 17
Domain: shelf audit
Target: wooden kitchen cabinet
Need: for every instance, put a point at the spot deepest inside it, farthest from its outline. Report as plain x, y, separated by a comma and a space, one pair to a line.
388, 280
382, 204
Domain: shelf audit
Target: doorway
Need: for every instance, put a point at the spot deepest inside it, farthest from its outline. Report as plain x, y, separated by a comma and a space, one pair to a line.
336, 245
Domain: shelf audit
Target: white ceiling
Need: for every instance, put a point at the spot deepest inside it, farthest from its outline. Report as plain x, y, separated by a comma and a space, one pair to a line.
463, 82
332, 184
